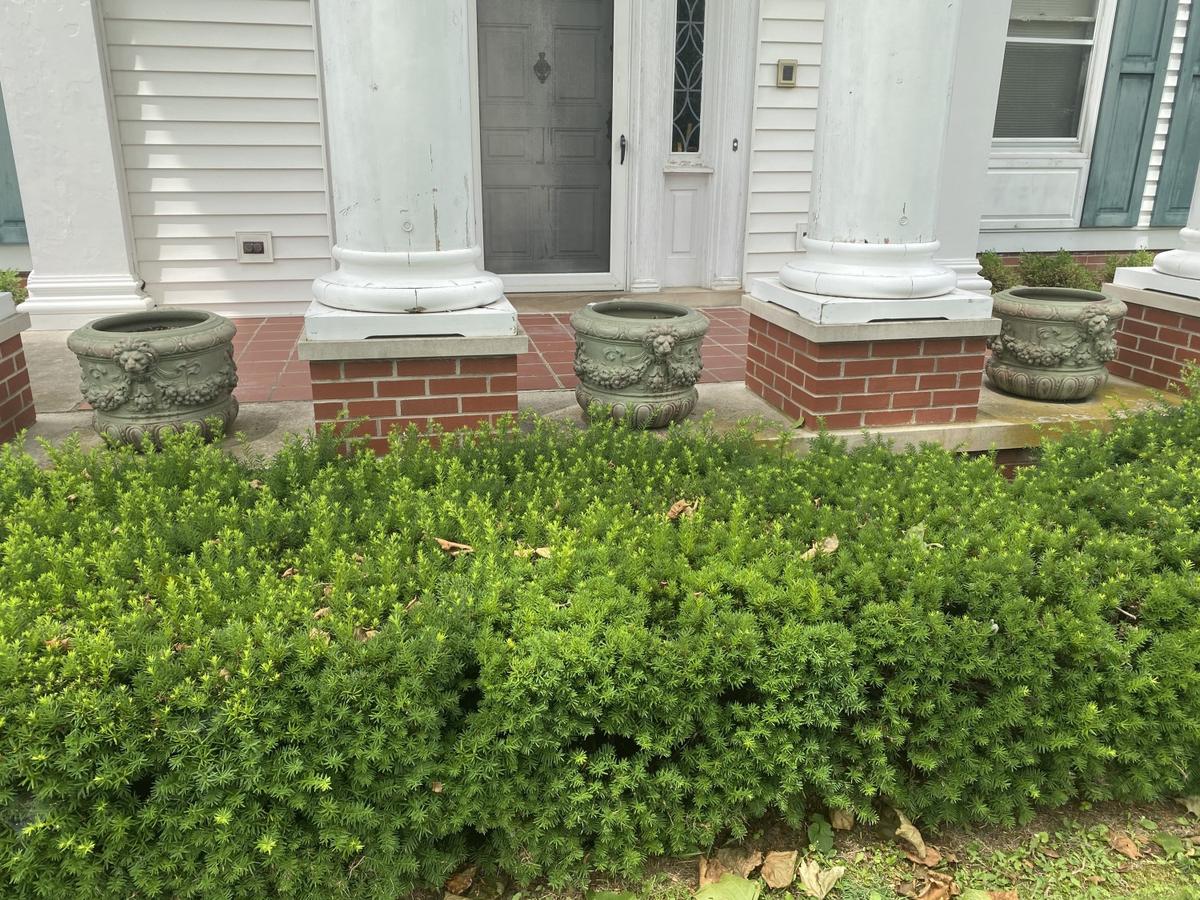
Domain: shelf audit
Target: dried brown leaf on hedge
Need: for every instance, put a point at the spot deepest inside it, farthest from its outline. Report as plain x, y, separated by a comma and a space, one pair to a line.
823, 547
323, 612
289, 572
681, 508
818, 882
364, 634
453, 547
908, 833
779, 868
1125, 845
257, 484
532, 552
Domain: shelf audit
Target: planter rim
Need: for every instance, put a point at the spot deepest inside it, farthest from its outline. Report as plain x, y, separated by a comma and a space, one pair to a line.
597, 319
197, 330
1054, 294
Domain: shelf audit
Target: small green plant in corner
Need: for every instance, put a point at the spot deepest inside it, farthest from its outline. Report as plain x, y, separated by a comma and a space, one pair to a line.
11, 283
993, 268
1059, 269
1136, 259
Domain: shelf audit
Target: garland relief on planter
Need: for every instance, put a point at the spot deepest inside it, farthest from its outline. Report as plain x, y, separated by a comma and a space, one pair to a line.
148, 373
640, 359
1053, 342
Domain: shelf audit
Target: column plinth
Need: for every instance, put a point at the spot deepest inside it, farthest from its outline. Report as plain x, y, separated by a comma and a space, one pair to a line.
1174, 271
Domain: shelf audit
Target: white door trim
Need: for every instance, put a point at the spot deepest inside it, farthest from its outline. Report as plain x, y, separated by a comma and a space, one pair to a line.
621, 202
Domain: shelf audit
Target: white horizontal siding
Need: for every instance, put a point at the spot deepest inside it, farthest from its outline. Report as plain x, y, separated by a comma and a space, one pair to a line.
1166, 106
219, 119
782, 142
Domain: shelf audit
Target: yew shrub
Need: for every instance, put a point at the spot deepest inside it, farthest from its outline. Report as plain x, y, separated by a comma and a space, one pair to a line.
226, 679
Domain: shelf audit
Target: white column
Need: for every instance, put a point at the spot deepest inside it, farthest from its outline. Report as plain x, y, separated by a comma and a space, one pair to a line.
882, 118
980, 62
1174, 271
399, 123
69, 167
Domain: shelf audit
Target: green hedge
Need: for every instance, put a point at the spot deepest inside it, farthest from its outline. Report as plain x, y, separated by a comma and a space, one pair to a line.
221, 679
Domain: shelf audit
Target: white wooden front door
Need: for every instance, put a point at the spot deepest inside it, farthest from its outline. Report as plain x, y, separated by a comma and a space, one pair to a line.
550, 128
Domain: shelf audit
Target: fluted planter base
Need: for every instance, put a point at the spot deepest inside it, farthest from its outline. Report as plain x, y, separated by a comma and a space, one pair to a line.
639, 360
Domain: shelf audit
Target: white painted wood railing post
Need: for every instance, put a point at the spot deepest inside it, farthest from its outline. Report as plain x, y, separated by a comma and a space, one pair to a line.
69, 168
882, 118
398, 113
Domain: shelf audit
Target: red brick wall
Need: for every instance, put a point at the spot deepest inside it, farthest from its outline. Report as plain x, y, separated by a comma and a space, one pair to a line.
867, 384
16, 397
453, 392
1153, 345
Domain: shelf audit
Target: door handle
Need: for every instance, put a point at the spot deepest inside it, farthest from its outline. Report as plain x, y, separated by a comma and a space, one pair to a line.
624, 144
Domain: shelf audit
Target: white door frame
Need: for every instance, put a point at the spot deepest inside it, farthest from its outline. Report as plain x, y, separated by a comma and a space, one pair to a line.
620, 206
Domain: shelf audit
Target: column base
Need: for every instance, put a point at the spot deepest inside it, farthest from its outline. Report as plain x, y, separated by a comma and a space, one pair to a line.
866, 375
1148, 278
823, 309
968, 273
378, 382
68, 301
1158, 337
326, 323
16, 396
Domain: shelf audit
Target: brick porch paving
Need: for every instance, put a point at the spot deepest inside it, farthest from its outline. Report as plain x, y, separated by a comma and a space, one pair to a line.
269, 369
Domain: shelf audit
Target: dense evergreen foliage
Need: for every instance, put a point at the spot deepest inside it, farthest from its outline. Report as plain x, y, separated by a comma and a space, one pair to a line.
1059, 269
221, 679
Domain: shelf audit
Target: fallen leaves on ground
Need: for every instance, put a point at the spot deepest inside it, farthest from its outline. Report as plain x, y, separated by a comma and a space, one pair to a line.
730, 887
453, 547
841, 819
908, 833
928, 886
989, 895
818, 882
932, 857
823, 547
711, 871
741, 860
1192, 804
779, 868
461, 881
1124, 845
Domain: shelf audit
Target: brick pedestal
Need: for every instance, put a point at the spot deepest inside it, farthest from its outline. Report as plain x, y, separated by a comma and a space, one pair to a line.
1157, 338
384, 385
16, 396
888, 377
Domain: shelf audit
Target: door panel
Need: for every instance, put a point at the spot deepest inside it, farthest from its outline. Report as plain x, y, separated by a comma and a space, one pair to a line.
545, 110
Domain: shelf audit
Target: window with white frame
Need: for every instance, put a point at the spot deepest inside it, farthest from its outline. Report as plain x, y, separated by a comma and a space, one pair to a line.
1047, 62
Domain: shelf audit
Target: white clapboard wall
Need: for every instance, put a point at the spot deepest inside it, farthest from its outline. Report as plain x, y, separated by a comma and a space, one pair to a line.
1166, 106
219, 117
782, 142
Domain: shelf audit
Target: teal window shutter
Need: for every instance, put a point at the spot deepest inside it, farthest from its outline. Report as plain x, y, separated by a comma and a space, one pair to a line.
1182, 156
12, 218
1133, 83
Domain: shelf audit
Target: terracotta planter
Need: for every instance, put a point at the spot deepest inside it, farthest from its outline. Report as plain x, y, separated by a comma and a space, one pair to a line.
151, 372
639, 358
1053, 342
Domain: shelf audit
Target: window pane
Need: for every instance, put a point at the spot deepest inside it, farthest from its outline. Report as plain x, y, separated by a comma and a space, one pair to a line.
1041, 91
689, 70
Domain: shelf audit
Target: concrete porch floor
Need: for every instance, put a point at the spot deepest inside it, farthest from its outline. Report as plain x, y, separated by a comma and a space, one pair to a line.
274, 392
